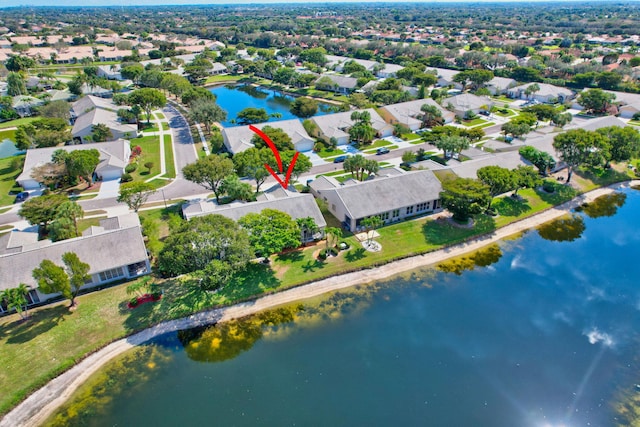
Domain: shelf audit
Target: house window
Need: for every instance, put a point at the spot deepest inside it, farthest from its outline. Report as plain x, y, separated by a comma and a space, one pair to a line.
32, 297
114, 273
396, 213
137, 269
384, 216
409, 210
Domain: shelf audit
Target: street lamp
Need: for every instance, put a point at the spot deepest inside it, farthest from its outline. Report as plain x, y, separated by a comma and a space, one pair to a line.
163, 198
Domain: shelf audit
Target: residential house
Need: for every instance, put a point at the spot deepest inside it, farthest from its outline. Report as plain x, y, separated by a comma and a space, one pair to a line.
409, 113
110, 72
89, 103
83, 125
337, 126
24, 104
389, 70
393, 195
218, 68
500, 85
238, 138
114, 250
465, 103
114, 156
113, 55
547, 93
339, 84
297, 205
445, 77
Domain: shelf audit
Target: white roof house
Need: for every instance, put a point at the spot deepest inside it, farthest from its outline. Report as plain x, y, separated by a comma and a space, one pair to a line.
297, 205
114, 156
238, 138
445, 77
90, 102
547, 93
115, 250
500, 85
465, 102
393, 195
337, 125
341, 84
409, 113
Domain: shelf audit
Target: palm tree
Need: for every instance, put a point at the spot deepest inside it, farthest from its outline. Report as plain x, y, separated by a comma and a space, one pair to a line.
532, 89
332, 234
73, 211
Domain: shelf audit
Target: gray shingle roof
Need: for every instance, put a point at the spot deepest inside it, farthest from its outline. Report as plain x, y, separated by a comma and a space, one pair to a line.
406, 112
102, 252
89, 102
337, 124
467, 101
342, 81
383, 194
295, 204
239, 137
106, 117
469, 169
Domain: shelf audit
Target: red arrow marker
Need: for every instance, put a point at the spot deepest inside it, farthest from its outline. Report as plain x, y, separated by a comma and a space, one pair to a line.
276, 153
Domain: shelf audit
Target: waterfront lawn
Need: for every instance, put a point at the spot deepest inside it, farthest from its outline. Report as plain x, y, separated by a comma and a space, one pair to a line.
589, 177
223, 78
8, 177
17, 122
8, 134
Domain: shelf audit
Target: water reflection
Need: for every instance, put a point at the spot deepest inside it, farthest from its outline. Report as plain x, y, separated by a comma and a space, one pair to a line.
606, 205
565, 229
480, 258
250, 90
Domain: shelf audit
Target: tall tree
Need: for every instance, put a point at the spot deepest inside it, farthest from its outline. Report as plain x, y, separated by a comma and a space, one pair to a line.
498, 179
280, 139
578, 146
431, 115
100, 133
135, 194
540, 159
370, 224
236, 189
333, 234
271, 231
304, 107
207, 112
250, 163
209, 172
252, 115
452, 144
42, 210
464, 197
525, 177
77, 271
52, 278
624, 143
148, 99
16, 85
72, 211
596, 100
308, 226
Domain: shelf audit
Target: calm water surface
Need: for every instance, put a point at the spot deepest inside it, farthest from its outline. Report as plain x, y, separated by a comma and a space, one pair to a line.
545, 336
8, 148
235, 98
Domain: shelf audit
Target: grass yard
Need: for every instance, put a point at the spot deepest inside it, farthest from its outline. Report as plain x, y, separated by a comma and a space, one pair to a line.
509, 113
168, 157
410, 136
150, 153
8, 134
222, 79
8, 175
165, 125
474, 122
379, 143
325, 153
161, 116
486, 125
17, 122
151, 127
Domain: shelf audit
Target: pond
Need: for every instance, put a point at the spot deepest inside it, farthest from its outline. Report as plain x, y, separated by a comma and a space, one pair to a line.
540, 330
8, 148
235, 98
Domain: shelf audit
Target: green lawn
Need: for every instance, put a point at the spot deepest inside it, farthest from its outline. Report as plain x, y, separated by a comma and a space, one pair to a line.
151, 127
165, 125
150, 153
473, 122
326, 153
410, 136
168, 157
222, 78
8, 177
8, 134
509, 113
486, 125
161, 116
379, 143
17, 122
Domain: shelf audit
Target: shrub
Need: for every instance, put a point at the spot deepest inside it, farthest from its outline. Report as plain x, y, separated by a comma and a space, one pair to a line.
548, 186
133, 302
131, 167
126, 178
636, 116
137, 150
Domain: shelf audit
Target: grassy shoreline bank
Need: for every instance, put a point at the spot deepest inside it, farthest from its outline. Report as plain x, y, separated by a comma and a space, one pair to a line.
101, 318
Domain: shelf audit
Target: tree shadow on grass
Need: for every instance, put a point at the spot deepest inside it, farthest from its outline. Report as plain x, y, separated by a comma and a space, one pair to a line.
311, 266
255, 279
355, 254
442, 232
561, 193
290, 257
509, 206
39, 322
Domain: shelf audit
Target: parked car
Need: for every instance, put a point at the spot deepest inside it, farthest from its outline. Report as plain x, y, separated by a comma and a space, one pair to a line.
382, 150
21, 197
340, 159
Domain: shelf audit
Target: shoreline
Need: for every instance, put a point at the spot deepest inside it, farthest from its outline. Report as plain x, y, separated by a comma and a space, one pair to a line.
41, 404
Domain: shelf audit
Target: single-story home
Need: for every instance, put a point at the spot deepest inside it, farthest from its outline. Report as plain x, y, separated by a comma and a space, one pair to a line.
393, 195
114, 250
114, 156
337, 126
24, 104
464, 103
340, 84
389, 70
218, 68
297, 205
238, 138
83, 125
445, 77
88, 103
110, 72
547, 93
500, 85
409, 113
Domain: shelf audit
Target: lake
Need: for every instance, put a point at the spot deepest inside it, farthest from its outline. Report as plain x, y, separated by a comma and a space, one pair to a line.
235, 98
8, 148
541, 330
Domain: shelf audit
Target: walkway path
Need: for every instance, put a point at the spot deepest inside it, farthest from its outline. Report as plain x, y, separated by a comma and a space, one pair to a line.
41, 404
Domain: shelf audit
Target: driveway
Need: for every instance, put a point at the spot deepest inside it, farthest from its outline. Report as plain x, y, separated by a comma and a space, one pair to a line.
108, 189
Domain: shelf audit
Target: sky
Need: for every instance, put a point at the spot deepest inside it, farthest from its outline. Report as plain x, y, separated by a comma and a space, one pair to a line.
11, 3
